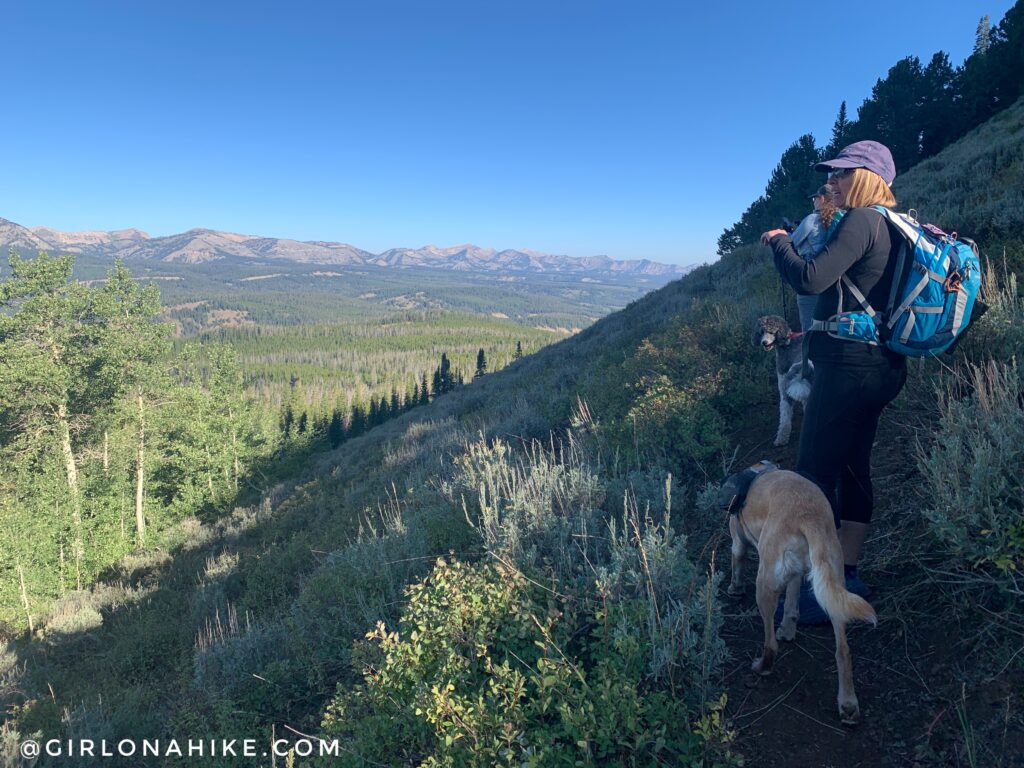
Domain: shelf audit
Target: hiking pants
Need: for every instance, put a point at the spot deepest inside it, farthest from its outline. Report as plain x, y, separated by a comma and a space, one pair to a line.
840, 422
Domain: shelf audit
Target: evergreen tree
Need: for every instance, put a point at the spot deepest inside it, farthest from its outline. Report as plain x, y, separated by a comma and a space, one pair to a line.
983, 35
424, 390
481, 364
445, 375
303, 423
519, 347
1006, 58
287, 421
357, 421
840, 133
373, 419
396, 405
938, 124
336, 430
792, 181
893, 113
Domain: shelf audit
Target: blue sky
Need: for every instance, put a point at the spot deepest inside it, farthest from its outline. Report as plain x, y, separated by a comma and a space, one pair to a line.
584, 127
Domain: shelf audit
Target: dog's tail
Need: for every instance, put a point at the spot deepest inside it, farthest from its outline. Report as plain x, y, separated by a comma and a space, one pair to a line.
830, 586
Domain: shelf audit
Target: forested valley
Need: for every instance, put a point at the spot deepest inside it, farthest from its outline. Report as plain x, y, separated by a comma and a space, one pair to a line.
115, 430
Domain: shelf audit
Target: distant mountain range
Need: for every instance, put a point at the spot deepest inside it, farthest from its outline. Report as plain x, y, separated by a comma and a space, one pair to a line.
205, 245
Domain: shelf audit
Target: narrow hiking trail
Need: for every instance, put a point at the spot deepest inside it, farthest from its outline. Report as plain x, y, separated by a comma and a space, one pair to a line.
909, 671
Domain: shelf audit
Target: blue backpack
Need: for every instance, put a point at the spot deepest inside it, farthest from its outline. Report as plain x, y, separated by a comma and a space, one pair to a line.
934, 289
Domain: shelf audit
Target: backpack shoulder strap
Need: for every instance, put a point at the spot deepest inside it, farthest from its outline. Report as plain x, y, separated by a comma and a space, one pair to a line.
905, 228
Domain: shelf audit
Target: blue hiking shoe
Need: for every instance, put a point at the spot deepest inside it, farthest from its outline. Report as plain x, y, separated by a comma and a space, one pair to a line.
854, 583
810, 612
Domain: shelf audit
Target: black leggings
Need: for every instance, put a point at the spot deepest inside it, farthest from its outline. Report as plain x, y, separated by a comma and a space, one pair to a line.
840, 422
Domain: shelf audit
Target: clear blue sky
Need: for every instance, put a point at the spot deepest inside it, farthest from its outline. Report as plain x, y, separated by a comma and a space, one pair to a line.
584, 127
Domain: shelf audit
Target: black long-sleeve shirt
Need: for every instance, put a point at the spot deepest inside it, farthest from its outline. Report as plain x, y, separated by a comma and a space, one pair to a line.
864, 250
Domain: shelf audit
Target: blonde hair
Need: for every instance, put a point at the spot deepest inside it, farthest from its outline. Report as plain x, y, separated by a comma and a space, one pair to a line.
868, 188
827, 212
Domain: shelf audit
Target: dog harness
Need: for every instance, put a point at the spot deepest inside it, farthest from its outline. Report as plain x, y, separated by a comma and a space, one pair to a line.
733, 494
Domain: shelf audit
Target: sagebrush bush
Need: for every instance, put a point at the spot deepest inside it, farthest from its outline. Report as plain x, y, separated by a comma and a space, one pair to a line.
973, 473
533, 507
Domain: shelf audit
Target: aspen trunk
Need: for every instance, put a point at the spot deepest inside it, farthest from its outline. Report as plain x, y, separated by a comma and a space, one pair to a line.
24, 599
78, 550
140, 477
234, 448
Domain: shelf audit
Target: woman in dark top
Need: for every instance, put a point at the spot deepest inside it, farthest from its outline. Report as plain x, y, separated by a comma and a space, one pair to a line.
853, 381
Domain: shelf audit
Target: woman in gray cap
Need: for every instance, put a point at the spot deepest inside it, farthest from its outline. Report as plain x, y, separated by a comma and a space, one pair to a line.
810, 237
853, 381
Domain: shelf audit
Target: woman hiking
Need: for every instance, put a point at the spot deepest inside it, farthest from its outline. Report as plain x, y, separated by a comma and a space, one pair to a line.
853, 381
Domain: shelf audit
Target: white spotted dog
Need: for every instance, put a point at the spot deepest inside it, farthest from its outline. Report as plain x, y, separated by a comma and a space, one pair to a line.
773, 333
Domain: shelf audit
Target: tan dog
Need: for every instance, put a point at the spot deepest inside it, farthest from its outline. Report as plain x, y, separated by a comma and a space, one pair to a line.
789, 520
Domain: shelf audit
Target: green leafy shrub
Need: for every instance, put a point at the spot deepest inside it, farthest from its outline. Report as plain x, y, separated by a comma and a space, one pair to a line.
490, 668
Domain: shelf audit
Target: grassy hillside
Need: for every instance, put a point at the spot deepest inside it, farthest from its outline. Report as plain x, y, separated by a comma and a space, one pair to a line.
596, 546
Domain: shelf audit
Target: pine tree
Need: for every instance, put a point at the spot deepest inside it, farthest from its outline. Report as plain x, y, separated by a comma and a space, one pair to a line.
396, 405
444, 375
937, 106
785, 196
357, 421
336, 430
840, 132
481, 364
519, 351
303, 423
424, 390
983, 35
893, 114
287, 421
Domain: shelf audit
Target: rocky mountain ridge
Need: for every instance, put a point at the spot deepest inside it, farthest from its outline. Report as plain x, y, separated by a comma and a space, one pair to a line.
204, 245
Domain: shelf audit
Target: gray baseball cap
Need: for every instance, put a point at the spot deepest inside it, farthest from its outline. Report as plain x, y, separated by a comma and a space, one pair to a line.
823, 191
871, 155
